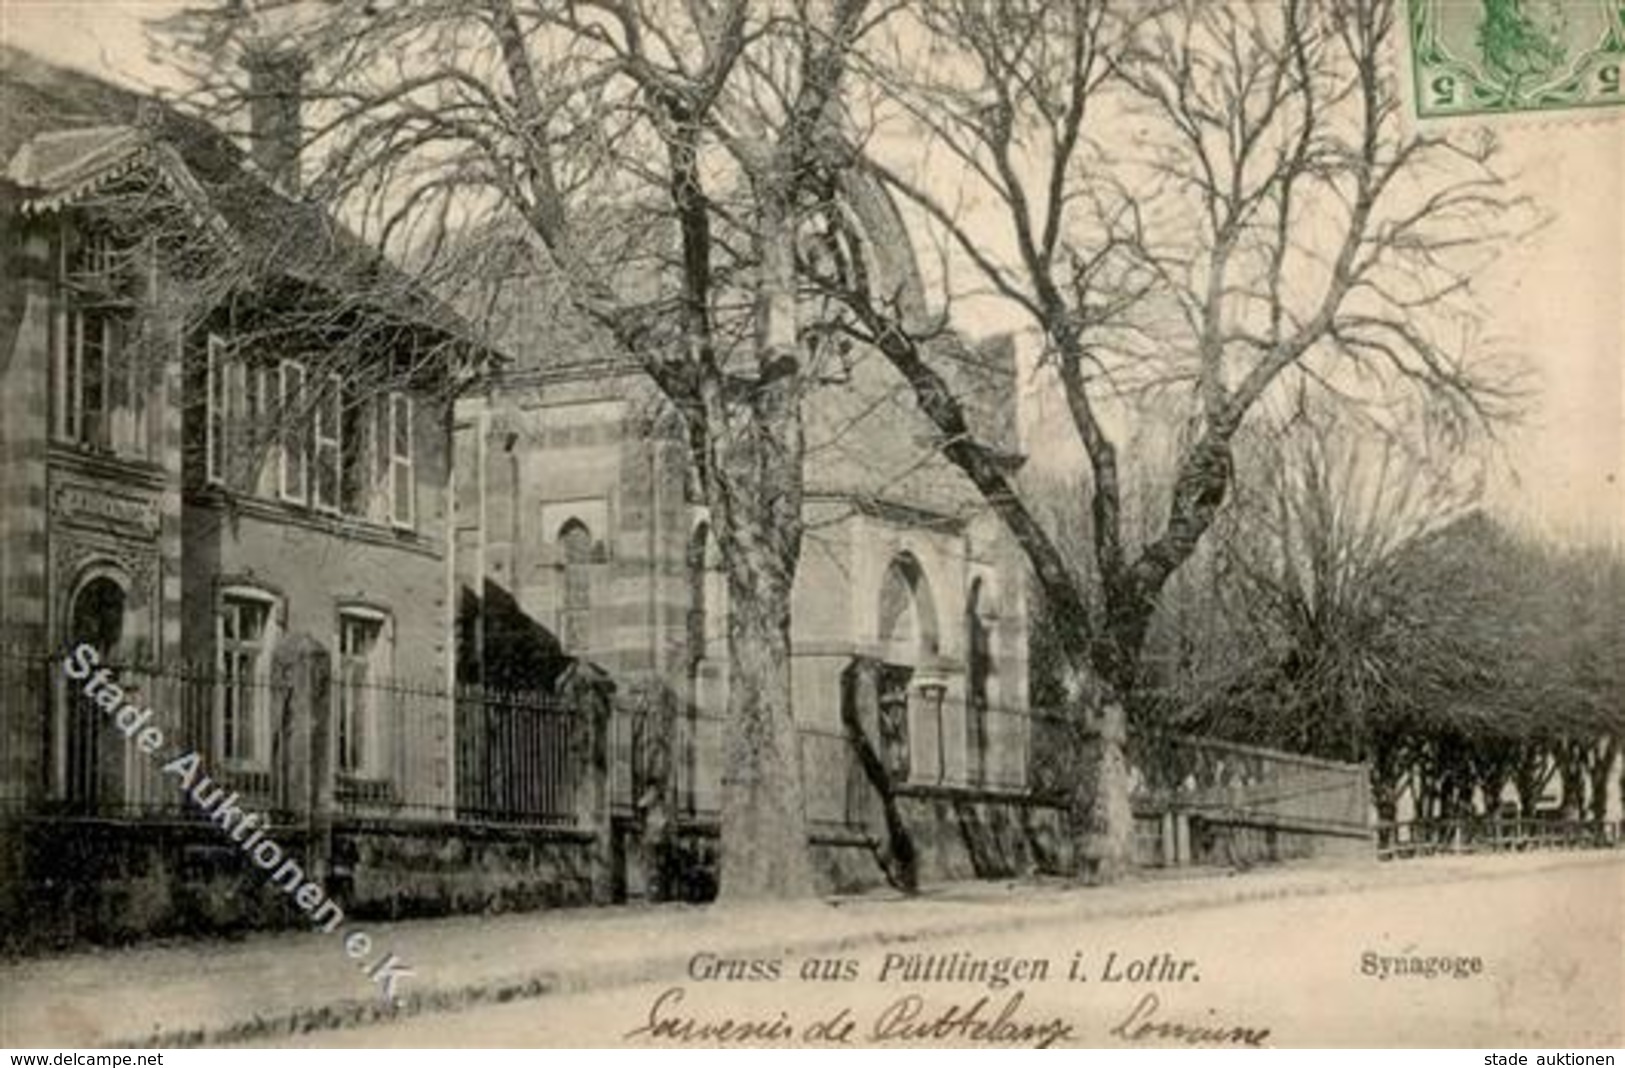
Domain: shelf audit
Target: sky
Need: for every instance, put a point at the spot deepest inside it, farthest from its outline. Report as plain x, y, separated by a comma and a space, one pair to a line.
1558, 297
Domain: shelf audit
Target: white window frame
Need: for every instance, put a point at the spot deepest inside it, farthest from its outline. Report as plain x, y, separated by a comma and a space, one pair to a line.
259, 715
327, 451
70, 390
288, 426
75, 304
365, 725
402, 511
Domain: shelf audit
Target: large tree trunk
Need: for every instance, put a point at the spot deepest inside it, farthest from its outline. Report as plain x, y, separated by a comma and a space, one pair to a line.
758, 498
764, 821
1102, 819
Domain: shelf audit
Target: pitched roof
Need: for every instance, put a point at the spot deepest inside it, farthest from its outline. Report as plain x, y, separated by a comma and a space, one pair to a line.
66, 133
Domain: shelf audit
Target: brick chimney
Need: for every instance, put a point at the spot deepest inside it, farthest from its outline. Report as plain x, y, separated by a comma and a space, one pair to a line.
276, 80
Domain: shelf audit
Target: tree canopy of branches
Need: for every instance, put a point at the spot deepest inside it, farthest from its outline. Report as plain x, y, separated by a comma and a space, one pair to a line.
1197, 199
166, 220
658, 155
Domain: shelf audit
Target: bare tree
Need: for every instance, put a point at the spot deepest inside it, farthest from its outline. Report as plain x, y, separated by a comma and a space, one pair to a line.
658, 153
1351, 654
1200, 199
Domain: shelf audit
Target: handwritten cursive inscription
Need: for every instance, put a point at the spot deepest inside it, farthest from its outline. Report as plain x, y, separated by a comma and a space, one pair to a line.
913, 1020
667, 1024
1142, 1024
908, 1020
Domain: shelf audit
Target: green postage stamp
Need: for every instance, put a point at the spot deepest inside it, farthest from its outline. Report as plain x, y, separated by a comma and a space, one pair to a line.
1484, 57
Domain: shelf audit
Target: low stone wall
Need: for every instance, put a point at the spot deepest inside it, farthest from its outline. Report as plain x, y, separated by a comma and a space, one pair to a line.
113, 881
958, 834
395, 869
1242, 841
966, 834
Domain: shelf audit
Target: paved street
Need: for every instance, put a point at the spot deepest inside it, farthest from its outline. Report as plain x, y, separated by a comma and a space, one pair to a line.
1549, 941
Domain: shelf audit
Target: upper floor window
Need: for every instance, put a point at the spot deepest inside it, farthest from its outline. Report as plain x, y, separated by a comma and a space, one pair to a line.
93, 261
320, 439
100, 385
241, 394
327, 445
357, 445
293, 484
402, 478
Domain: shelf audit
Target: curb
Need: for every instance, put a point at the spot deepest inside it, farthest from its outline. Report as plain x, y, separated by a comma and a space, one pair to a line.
1069, 905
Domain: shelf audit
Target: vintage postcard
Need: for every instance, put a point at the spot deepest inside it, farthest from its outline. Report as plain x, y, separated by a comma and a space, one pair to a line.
717, 523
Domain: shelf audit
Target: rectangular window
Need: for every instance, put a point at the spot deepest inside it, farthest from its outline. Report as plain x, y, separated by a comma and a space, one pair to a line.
383, 409
360, 670
243, 648
355, 433
262, 459
95, 261
82, 369
327, 450
127, 421
295, 467
402, 480
99, 390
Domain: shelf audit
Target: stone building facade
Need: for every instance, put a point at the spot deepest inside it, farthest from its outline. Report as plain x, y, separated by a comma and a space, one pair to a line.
579, 521
184, 488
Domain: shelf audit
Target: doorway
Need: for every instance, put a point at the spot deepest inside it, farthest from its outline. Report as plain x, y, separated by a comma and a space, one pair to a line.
89, 778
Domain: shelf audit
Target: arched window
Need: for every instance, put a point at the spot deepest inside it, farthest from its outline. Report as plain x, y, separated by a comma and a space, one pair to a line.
575, 623
911, 714
89, 766
98, 616
908, 615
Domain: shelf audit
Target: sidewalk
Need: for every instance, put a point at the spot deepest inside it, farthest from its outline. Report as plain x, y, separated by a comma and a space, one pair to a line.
270, 984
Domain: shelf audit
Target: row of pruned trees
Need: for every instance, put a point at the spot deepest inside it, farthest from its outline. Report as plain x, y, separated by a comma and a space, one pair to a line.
1360, 607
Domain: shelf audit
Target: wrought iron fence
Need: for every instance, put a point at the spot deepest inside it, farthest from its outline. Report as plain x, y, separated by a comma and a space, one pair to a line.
516, 761
71, 751
835, 787
396, 748
1417, 838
